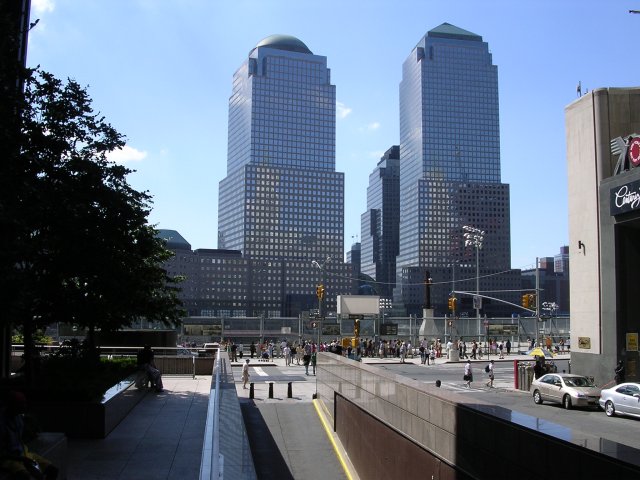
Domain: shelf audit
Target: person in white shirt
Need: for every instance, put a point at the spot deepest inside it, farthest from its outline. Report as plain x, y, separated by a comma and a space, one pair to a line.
245, 373
287, 355
468, 374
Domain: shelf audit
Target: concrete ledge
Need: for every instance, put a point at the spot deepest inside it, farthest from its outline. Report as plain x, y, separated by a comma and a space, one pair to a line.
444, 426
87, 419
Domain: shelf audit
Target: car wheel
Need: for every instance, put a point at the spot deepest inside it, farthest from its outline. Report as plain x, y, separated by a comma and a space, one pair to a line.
609, 409
537, 398
566, 402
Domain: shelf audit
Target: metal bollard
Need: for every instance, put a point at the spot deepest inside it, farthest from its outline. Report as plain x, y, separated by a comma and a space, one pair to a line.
251, 390
270, 389
289, 390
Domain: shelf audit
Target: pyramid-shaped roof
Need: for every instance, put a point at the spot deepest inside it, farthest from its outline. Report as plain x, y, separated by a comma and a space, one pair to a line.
446, 30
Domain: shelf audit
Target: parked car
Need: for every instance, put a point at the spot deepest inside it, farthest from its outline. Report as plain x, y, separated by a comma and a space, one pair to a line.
185, 352
208, 349
623, 399
565, 388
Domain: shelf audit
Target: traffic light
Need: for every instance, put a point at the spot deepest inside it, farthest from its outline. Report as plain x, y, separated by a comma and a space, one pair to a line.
320, 292
529, 300
453, 302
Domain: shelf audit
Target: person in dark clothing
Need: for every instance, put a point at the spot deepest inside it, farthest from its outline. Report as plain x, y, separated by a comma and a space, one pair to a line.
15, 458
538, 368
252, 349
508, 346
619, 371
147, 364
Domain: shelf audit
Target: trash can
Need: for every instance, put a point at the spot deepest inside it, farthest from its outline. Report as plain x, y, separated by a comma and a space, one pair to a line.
525, 376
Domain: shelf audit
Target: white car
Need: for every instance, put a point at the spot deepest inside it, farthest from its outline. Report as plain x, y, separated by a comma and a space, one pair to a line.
623, 399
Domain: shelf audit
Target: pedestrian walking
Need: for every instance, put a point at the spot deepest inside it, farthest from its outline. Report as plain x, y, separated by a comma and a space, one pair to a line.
619, 371
245, 373
489, 370
508, 347
313, 362
423, 352
468, 374
287, 355
500, 349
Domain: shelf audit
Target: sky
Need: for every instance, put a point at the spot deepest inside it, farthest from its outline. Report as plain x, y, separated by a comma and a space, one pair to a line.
160, 71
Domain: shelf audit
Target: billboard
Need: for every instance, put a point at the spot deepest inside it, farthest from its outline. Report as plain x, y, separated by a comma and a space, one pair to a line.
358, 304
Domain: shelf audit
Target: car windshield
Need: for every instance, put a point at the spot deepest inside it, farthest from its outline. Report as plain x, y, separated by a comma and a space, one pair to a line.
578, 382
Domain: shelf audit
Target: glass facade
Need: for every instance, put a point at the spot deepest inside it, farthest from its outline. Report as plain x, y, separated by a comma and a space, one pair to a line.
282, 198
450, 165
380, 223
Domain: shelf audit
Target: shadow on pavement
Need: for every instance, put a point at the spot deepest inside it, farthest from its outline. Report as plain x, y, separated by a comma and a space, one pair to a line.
267, 458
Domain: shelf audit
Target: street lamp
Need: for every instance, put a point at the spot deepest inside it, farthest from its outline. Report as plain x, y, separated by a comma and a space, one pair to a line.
321, 291
321, 267
473, 237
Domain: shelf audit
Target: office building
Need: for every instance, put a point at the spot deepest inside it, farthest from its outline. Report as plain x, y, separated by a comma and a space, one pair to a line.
603, 154
282, 199
450, 176
552, 284
380, 223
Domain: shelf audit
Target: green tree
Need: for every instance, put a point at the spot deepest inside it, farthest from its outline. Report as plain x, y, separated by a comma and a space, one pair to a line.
79, 248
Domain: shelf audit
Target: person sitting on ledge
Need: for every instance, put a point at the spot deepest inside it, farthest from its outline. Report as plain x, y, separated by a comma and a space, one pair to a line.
147, 365
15, 458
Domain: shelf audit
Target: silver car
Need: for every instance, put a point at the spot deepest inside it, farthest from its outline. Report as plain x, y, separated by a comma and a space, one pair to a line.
623, 399
566, 389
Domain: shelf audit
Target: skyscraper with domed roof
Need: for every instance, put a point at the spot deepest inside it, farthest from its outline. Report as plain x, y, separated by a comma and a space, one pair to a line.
450, 182
282, 202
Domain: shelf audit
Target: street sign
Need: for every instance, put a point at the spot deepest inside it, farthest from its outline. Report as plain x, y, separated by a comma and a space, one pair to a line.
477, 302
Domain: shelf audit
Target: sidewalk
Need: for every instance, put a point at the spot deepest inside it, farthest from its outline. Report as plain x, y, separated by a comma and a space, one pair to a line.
161, 438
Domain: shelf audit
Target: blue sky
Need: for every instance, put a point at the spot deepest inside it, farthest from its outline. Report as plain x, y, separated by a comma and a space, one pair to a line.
160, 71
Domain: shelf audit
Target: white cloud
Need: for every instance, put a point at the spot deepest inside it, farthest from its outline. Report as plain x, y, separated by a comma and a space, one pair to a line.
42, 6
342, 110
372, 127
126, 154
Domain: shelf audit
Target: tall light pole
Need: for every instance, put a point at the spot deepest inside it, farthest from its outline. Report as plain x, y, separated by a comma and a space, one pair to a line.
473, 237
321, 291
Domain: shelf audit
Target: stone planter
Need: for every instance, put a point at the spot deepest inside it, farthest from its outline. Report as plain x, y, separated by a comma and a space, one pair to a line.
88, 419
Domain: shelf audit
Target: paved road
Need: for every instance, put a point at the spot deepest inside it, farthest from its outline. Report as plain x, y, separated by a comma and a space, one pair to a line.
588, 420
287, 436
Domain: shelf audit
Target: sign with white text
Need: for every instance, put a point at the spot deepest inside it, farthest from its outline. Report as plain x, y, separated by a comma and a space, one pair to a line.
625, 198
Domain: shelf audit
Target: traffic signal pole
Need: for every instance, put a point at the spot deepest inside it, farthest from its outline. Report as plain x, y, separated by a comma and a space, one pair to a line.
537, 299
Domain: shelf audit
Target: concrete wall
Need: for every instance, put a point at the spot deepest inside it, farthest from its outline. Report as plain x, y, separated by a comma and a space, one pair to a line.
602, 307
583, 180
452, 436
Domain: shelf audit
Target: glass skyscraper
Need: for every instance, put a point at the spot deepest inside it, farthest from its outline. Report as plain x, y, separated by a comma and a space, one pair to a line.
450, 172
379, 224
282, 200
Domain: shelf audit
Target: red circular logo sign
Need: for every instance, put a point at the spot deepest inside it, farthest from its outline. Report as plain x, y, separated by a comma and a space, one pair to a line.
634, 151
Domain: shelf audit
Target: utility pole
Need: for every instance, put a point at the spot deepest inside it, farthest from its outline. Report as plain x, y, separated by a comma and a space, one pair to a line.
537, 299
